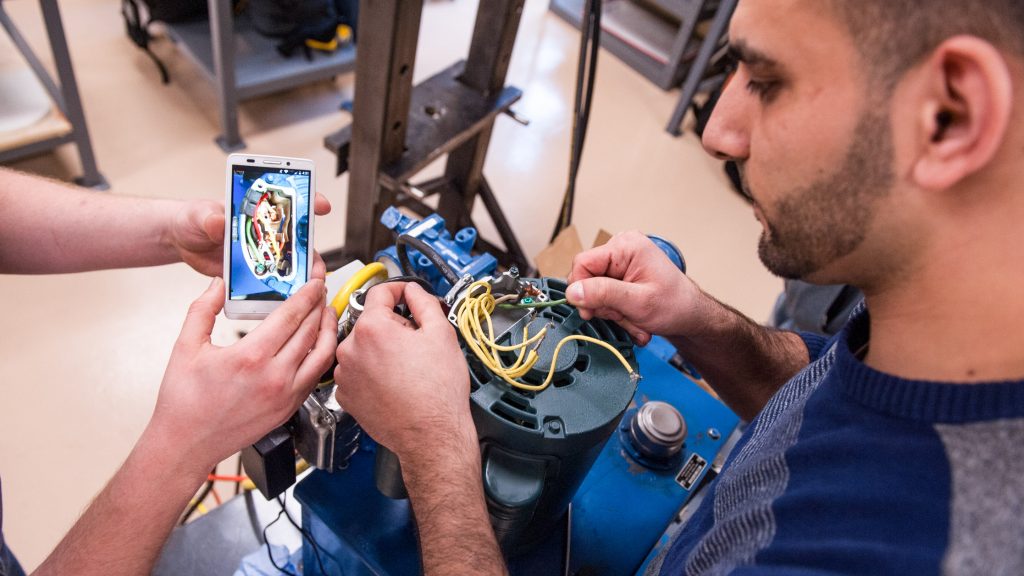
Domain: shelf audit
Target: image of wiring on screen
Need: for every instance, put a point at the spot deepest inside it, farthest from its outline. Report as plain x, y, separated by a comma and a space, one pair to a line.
269, 228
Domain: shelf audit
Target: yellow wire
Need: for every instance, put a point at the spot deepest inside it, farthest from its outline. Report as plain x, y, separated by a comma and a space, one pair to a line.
479, 305
365, 274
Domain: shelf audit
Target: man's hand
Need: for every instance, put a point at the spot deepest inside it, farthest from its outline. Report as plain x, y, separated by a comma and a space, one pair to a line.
405, 384
408, 387
220, 400
213, 401
197, 233
631, 282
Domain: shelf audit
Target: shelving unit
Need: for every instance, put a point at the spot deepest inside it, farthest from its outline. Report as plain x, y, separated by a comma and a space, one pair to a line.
655, 37
66, 124
696, 76
243, 64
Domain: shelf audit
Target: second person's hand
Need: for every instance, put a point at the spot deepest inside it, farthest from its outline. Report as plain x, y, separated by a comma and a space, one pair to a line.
407, 384
216, 400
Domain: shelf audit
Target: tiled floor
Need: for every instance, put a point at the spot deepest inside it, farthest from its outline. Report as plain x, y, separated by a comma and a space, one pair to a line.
83, 354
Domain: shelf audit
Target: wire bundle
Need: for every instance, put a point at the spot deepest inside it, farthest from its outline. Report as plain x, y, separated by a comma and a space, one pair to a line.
475, 314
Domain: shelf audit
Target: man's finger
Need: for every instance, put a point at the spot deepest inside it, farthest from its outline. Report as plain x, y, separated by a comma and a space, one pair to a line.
379, 306
640, 337
319, 266
589, 263
598, 293
321, 356
321, 205
302, 341
385, 296
424, 307
202, 314
213, 226
278, 328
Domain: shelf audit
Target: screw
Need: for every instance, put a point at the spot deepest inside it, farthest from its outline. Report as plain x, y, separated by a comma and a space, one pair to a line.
714, 434
555, 426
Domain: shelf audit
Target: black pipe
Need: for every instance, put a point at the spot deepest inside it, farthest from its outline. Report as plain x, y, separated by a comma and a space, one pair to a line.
402, 244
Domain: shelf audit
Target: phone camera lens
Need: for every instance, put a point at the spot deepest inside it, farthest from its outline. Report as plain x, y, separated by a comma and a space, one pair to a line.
288, 163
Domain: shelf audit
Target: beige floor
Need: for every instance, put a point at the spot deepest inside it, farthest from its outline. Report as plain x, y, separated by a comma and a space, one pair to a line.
83, 354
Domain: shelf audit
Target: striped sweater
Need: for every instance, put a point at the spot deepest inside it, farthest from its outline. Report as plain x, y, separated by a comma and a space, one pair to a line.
851, 471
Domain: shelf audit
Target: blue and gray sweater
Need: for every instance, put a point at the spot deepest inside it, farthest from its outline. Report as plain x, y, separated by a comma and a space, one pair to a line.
851, 471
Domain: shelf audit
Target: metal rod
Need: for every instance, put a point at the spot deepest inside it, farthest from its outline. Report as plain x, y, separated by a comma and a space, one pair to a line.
222, 35
719, 26
508, 237
33, 61
389, 30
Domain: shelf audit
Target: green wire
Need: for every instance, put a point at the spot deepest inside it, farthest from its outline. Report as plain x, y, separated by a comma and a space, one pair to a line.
250, 240
550, 304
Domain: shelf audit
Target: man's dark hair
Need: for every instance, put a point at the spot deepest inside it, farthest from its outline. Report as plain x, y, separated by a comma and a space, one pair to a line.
895, 35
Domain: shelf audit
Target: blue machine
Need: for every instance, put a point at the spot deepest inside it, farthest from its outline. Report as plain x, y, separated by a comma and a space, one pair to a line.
627, 493
456, 251
657, 457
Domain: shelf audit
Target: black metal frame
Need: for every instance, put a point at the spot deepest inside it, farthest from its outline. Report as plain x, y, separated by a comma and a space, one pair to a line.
398, 129
695, 76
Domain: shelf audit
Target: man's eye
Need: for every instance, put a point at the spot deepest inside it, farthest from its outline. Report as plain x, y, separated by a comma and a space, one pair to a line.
765, 90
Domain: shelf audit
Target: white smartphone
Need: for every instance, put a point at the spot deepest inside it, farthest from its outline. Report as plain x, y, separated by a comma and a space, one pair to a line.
268, 232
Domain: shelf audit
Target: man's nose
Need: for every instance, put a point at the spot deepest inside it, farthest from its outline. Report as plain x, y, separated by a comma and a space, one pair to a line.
725, 136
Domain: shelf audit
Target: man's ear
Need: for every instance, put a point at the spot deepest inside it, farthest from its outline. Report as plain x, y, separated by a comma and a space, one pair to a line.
964, 111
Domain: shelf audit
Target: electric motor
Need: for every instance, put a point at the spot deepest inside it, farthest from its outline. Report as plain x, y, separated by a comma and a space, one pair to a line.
537, 447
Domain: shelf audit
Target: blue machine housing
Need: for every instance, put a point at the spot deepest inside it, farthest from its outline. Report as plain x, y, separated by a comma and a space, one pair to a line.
619, 514
456, 251
626, 495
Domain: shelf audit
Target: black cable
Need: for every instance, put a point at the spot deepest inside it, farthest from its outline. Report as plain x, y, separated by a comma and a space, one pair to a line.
199, 499
585, 80
414, 279
402, 245
270, 554
305, 533
585, 107
361, 296
138, 33
595, 45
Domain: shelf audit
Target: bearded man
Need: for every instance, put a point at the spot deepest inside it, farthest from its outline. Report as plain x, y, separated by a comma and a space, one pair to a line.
882, 144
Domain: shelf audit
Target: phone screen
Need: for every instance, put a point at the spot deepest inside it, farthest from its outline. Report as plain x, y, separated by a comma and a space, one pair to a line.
269, 232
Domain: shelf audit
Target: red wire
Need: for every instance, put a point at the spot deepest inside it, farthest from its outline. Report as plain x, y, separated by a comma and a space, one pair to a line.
256, 211
216, 496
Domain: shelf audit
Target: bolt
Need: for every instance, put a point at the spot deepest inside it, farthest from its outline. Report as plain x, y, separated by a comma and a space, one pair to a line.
714, 434
555, 426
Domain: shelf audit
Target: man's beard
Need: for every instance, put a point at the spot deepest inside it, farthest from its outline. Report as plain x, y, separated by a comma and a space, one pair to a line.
829, 219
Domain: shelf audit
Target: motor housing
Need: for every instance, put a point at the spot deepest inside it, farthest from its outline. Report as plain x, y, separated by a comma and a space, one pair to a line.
537, 447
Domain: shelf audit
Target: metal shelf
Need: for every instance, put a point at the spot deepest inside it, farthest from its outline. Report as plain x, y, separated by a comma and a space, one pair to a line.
644, 37
444, 114
243, 64
66, 125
